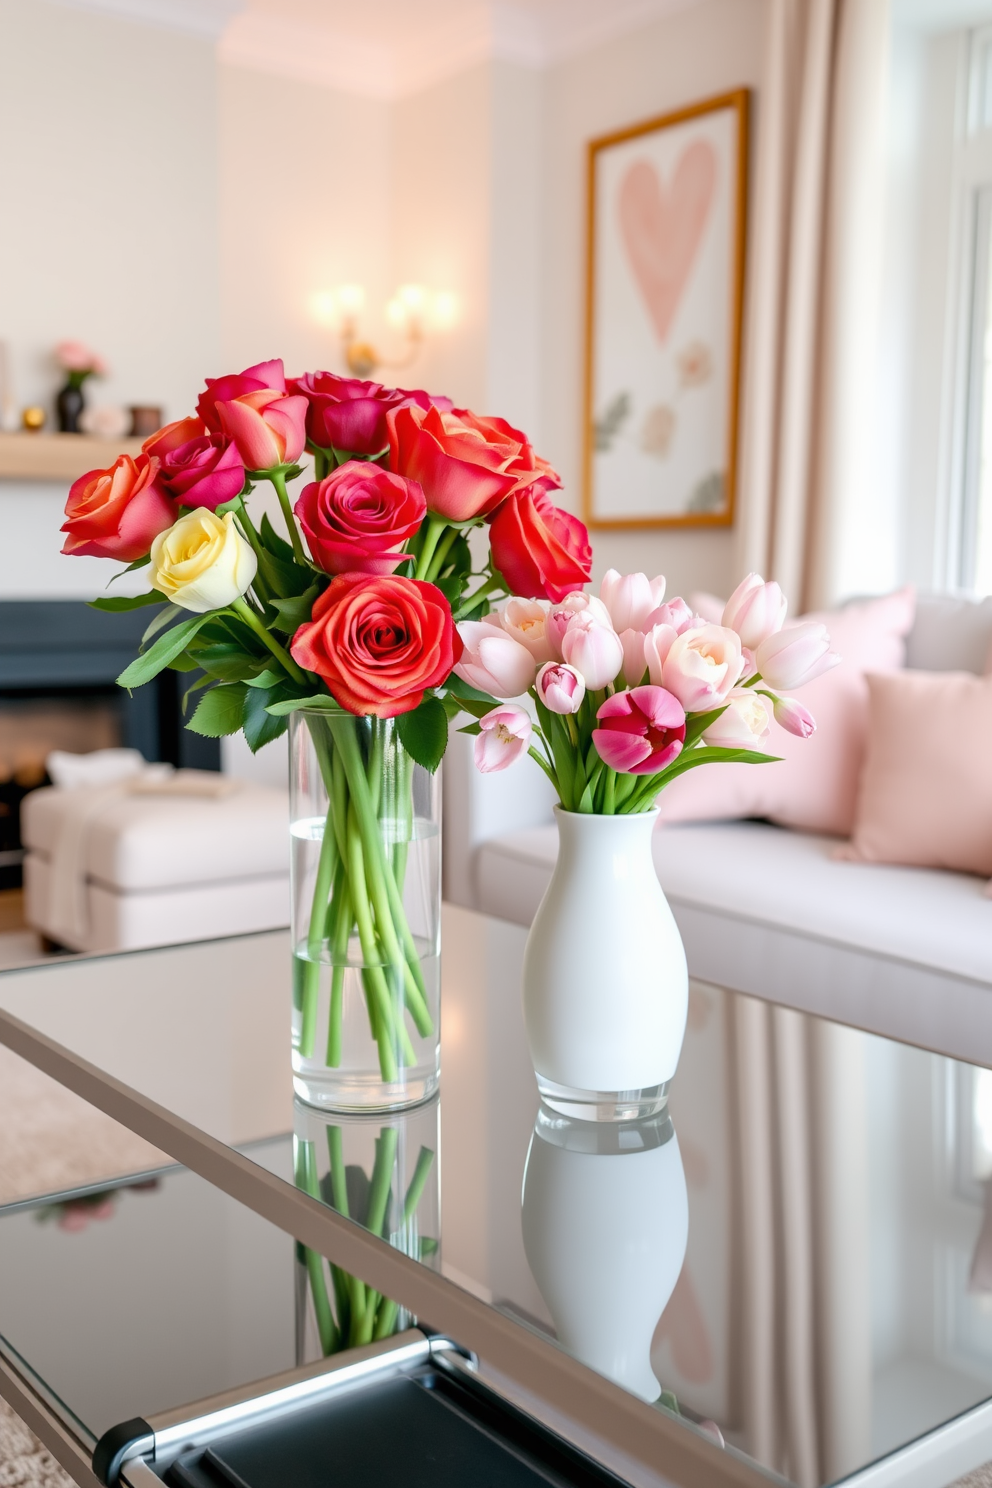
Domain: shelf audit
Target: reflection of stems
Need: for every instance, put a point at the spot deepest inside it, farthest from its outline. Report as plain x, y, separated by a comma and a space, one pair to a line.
306, 1178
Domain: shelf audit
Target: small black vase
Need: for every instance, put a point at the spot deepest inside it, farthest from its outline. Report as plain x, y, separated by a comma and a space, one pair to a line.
69, 406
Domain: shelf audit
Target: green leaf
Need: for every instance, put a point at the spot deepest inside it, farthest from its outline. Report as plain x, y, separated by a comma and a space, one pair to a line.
169, 612
226, 661
165, 649
271, 540
424, 732
184, 662
266, 679
471, 728
317, 700
260, 726
462, 689
295, 611
220, 712
707, 754
477, 708
131, 568
282, 576
696, 725
113, 603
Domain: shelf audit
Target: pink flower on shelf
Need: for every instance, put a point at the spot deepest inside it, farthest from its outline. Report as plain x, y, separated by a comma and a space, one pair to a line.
641, 731
755, 610
793, 657
505, 735
702, 665
493, 661
75, 356
561, 688
630, 598
794, 717
594, 650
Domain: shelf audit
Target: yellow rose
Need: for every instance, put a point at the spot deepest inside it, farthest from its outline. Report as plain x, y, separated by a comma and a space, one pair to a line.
202, 562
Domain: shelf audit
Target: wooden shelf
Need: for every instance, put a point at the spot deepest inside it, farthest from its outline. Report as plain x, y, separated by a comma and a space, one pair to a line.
58, 457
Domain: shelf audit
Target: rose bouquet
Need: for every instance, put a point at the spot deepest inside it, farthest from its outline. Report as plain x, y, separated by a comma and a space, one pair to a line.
348, 624
631, 691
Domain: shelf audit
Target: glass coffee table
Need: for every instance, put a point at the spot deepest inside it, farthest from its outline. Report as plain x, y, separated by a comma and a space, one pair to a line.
785, 1276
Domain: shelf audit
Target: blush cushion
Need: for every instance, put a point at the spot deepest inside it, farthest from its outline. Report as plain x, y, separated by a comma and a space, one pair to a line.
925, 796
814, 787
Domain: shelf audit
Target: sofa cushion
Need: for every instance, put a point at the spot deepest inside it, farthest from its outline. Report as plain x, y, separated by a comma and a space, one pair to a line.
141, 842
925, 795
814, 788
951, 634
906, 952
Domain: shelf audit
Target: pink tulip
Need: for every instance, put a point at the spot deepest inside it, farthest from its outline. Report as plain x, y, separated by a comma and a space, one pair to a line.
755, 610
702, 666
794, 717
560, 617
743, 725
634, 662
630, 598
493, 661
268, 427
657, 644
594, 650
505, 734
526, 621
675, 613
642, 730
793, 657
561, 688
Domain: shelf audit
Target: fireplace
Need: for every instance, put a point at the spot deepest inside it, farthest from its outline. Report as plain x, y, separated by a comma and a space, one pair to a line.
58, 664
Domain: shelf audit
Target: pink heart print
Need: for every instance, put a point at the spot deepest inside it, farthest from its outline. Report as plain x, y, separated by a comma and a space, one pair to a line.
662, 228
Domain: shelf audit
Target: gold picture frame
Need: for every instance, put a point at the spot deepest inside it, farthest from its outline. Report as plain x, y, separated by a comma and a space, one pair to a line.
665, 245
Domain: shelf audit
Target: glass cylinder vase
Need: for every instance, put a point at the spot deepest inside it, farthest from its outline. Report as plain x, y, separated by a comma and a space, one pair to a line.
365, 821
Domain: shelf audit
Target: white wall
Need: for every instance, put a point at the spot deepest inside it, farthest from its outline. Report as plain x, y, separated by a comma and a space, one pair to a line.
700, 50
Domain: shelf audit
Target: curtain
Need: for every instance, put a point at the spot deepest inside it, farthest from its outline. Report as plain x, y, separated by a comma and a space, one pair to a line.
815, 257
802, 1365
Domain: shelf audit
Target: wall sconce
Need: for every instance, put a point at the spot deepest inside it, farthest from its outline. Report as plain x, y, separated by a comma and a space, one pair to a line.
414, 312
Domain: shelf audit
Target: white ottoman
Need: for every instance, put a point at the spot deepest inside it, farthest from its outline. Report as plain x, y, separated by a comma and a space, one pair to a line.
154, 870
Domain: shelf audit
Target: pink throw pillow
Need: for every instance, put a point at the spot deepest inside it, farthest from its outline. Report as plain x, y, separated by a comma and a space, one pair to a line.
814, 787
925, 796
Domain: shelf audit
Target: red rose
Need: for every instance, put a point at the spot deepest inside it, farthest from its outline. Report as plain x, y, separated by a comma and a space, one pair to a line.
223, 389
467, 465
378, 643
541, 551
348, 414
203, 472
117, 513
358, 516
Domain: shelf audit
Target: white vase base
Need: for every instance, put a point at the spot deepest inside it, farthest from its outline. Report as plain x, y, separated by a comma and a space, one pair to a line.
603, 1105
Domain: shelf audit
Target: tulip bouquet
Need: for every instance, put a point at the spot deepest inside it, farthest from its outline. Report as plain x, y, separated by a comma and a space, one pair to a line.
349, 620
630, 691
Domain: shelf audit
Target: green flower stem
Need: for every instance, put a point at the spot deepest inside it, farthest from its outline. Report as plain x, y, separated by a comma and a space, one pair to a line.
374, 973
244, 612
610, 793
548, 769
435, 527
306, 1178
278, 479
443, 549
343, 920
475, 599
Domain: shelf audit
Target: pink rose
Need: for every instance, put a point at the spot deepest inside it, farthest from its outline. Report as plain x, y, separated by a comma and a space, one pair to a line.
268, 428
793, 657
358, 517
222, 389
173, 436
702, 666
561, 688
504, 736
345, 413
206, 471
640, 731
755, 610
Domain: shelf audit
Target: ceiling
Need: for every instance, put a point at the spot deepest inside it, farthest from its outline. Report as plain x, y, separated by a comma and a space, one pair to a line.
387, 48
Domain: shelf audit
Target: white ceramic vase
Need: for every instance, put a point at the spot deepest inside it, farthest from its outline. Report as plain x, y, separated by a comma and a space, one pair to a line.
605, 1226
605, 983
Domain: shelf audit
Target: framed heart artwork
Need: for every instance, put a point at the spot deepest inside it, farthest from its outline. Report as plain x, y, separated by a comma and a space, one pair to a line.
667, 207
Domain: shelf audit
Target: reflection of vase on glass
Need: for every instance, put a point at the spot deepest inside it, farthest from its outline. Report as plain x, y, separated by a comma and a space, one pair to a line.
366, 875
605, 1226
384, 1175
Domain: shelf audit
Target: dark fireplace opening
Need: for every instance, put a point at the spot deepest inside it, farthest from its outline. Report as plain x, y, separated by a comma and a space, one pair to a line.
58, 663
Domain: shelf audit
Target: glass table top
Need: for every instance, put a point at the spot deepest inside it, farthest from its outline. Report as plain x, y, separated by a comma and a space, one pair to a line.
796, 1256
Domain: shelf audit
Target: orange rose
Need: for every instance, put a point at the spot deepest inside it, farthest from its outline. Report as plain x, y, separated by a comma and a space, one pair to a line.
378, 642
117, 513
